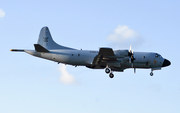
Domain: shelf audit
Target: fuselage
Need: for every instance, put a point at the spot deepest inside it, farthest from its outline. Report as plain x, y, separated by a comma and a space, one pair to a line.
86, 57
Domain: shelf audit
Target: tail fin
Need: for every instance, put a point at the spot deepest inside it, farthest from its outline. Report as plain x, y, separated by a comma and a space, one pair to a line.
46, 40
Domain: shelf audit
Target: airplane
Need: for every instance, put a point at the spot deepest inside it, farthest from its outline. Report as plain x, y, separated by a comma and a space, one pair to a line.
106, 58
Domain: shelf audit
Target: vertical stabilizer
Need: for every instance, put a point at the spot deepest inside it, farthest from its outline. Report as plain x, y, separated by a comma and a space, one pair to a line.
46, 40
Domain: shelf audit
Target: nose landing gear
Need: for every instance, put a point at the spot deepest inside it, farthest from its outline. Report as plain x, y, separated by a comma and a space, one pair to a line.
151, 74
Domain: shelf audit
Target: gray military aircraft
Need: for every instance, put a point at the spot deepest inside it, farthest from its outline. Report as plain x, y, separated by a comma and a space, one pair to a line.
105, 58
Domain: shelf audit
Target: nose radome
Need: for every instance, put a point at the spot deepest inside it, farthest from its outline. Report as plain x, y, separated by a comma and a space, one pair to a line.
166, 63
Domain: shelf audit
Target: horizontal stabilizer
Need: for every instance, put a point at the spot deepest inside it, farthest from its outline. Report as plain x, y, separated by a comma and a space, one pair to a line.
40, 48
17, 50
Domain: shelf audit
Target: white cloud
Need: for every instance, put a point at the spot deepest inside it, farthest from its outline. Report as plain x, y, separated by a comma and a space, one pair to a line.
65, 77
2, 13
123, 36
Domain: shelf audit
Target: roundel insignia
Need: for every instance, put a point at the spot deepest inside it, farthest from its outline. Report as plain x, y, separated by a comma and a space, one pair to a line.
155, 61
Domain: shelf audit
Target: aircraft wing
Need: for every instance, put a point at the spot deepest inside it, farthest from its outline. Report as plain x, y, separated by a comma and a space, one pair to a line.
105, 56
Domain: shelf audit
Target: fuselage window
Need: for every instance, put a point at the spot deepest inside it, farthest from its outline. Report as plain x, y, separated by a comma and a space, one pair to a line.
158, 56
78, 54
143, 57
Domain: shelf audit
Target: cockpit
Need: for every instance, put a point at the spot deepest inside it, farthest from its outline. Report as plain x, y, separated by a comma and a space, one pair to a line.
158, 55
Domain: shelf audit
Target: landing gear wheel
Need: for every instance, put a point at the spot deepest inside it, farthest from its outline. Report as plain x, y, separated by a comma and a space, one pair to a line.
111, 75
107, 70
151, 74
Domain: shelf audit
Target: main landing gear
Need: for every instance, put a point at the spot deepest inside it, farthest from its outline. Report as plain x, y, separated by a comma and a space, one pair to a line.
111, 75
151, 74
108, 70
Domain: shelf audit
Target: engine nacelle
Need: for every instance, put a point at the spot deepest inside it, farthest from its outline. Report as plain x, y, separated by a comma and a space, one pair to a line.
121, 53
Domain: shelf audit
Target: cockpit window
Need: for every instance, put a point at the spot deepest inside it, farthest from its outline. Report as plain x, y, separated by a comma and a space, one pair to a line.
158, 56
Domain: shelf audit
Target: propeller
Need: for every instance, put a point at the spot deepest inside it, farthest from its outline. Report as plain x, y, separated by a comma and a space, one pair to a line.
131, 56
134, 70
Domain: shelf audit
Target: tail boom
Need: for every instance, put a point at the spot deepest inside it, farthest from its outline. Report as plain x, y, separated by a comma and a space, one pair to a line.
17, 50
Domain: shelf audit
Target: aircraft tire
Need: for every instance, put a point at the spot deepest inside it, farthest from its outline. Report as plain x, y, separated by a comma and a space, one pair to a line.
151, 74
111, 75
107, 70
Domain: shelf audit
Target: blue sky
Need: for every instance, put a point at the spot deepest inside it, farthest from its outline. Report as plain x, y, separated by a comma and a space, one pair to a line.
33, 85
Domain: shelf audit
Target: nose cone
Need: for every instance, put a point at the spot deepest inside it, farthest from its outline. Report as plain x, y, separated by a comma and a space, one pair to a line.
166, 63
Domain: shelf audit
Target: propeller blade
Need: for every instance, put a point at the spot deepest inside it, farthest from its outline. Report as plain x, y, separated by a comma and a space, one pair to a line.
134, 70
129, 60
131, 55
130, 49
